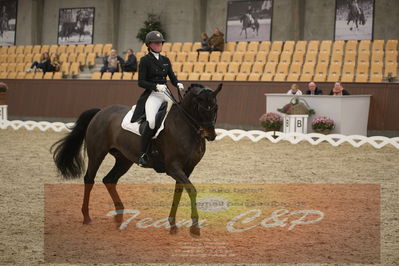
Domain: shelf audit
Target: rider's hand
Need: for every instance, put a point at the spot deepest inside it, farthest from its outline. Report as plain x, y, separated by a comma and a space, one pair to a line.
161, 87
180, 86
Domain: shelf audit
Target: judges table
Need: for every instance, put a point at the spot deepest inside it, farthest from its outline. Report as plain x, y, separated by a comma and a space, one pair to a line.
350, 113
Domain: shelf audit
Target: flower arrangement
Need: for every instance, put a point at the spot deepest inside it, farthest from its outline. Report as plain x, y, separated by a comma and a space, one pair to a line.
323, 124
296, 107
271, 121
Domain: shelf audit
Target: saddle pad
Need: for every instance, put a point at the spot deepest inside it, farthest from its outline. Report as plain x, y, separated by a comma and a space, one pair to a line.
134, 127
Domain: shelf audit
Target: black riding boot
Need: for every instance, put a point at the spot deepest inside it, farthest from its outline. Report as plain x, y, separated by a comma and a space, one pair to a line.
146, 137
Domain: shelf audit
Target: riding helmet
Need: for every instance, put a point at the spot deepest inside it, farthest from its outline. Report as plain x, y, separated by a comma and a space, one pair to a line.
154, 36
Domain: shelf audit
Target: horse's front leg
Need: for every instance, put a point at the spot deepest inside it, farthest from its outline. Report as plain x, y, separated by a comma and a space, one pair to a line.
176, 200
181, 178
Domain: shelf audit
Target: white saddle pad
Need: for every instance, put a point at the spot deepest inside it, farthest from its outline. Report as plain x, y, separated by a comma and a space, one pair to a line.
134, 127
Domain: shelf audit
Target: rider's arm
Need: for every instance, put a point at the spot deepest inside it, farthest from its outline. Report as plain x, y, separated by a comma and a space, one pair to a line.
144, 68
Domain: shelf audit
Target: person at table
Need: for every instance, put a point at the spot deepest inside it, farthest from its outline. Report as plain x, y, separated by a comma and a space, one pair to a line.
313, 89
294, 90
338, 90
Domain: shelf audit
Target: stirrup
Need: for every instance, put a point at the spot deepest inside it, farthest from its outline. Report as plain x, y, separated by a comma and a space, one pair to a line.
143, 160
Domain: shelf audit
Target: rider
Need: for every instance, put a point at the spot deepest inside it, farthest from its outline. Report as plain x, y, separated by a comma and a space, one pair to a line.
153, 69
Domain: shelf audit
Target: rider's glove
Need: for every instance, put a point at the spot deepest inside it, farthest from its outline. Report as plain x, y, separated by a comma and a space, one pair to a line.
161, 87
180, 86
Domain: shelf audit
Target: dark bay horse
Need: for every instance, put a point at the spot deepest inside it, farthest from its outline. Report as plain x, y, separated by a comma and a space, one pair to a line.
181, 145
246, 23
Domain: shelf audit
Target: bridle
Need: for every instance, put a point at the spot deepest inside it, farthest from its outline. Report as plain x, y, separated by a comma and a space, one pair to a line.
198, 126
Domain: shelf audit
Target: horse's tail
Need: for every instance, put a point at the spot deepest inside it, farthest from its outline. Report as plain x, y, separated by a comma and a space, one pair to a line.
67, 155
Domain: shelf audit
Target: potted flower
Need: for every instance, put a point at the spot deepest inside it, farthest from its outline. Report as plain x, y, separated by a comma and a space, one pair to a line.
271, 121
323, 124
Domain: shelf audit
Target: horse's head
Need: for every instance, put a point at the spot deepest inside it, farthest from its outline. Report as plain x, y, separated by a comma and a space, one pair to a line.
201, 103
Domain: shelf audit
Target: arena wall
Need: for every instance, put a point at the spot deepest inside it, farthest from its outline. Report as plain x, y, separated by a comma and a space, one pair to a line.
241, 103
118, 21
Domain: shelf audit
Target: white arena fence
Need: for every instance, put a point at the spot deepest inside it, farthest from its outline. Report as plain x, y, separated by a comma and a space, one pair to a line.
236, 134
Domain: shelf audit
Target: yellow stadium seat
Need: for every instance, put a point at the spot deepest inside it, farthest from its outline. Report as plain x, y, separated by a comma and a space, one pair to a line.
246, 67
176, 47
222, 67
258, 67
186, 47
364, 46
273, 57
72, 57
377, 57
11, 58
117, 76
11, 50
261, 57
313, 46
3, 58
280, 77
193, 76
198, 67
182, 76
233, 67
181, 57
229, 77
48, 75
391, 56
65, 68
391, 68
376, 77
3, 75
106, 76
292, 77
81, 59
20, 67
241, 47
276, 47
177, 66
310, 58
29, 75
270, 68
29, 58
321, 68
135, 76
167, 47
242, 76
350, 58
307, 72
338, 46
196, 46
289, 46
20, 49
392, 45
361, 77
203, 57
336, 58
98, 49
3, 67
45, 49
238, 57
253, 47
205, 76
107, 49
53, 49
127, 76
96, 75
210, 67
230, 46
89, 48
3, 50
325, 47
320, 77
217, 76
282, 68
378, 46
38, 75
254, 77
192, 57
139, 55
300, 46
91, 59
80, 48
323, 58
362, 69
347, 77
188, 67
71, 49
285, 57
297, 58
351, 46
75, 69
63, 57
215, 56
13, 75
226, 56
62, 49
20, 58
267, 77
172, 56
265, 47
11, 67
143, 48
57, 75
363, 57
249, 56
36, 50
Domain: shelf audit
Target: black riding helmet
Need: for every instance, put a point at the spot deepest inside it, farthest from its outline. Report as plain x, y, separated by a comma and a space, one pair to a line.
154, 36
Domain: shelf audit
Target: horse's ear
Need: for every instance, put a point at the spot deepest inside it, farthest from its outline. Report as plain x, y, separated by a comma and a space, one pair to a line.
218, 89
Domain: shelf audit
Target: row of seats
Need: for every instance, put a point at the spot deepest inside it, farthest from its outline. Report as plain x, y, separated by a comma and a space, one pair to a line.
30, 75
98, 49
82, 59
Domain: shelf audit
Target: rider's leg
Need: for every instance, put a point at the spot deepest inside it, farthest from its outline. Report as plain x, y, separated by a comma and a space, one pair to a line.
152, 105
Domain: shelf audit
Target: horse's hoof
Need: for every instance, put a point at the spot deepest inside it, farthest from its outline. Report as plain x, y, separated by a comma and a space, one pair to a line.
118, 218
195, 231
174, 230
87, 221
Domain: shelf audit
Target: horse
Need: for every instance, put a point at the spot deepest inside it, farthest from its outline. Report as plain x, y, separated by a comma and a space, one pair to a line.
77, 27
246, 23
180, 147
356, 15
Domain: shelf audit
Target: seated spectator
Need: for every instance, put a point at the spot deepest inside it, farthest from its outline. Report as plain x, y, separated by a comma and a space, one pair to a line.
55, 64
313, 89
204, 43
338, 90
43, 66
216, 42
131, 64
112, 62
294, 90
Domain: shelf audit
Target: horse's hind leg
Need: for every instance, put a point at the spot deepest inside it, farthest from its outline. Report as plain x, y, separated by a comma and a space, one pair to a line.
122, 165
95, 161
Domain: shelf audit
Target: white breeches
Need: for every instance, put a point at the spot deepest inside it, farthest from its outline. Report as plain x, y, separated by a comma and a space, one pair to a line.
152, 105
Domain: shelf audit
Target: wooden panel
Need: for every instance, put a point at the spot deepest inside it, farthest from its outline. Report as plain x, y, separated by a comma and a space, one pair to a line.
240, 103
